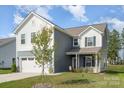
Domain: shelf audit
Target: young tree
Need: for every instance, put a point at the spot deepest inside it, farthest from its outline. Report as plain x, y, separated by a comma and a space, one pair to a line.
43, 48
113, 46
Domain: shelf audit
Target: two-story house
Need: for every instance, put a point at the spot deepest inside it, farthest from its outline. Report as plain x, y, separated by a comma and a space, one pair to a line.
78, 47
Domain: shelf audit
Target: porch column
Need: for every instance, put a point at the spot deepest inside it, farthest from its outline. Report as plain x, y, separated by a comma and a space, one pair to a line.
96, 63
76, 61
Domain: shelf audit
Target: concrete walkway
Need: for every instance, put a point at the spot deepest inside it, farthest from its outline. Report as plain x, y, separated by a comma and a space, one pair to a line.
18, 76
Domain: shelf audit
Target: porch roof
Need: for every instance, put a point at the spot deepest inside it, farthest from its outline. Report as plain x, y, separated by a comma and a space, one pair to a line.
93, 50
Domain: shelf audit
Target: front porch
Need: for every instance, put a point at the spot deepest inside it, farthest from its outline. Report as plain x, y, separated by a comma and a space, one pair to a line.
89, 61
85, 59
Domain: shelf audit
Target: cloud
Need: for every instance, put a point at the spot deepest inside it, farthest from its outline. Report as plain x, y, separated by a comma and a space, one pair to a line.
78, 12
11, 35
114, 22
6, 36
17, 18
44, 12
122, 8
41, 10
112, 11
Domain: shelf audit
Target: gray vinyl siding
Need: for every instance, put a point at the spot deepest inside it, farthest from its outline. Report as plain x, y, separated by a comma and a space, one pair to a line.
63, 43
7, 53
104, 47
104, 39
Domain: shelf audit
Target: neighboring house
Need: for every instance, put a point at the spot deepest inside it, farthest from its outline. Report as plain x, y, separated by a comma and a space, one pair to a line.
77, 47
7, 52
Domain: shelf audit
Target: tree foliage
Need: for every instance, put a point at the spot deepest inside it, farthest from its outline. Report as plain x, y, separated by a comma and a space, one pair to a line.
122, 38
113, 45
43, 47
122, 43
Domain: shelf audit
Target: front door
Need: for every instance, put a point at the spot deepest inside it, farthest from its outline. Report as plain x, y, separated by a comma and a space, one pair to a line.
88, 61
73, 62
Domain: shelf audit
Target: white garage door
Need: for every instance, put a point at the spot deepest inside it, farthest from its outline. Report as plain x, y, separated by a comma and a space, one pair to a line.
29, 65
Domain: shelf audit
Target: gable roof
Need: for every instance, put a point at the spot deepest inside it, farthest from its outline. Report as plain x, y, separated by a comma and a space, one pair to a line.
75, 31
30, 15
4, 41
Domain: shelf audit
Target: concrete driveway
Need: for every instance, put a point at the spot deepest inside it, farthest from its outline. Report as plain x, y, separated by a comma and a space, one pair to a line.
16, 76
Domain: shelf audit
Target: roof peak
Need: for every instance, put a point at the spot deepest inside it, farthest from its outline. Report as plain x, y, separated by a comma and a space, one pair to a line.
32, 13
86, 25
75, 31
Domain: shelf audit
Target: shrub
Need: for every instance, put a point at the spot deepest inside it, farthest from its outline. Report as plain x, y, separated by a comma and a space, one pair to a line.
5, 68
78, 70
50, 70
13, 68
85, 70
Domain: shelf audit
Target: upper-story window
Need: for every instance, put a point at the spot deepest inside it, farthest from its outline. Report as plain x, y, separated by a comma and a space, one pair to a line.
75, 42
32, 36
22, 38
90, 41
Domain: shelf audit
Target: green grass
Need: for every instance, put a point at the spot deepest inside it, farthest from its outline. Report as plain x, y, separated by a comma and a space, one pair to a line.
5, 71
113, 77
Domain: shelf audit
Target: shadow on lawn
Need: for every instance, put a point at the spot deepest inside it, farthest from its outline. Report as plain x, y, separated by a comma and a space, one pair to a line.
79, 81
114, 72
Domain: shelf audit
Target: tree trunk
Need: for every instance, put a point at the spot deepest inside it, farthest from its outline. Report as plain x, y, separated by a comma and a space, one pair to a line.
42, 74
43, 69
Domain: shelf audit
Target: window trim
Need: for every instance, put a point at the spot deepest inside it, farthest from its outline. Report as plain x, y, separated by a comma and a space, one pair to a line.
90, 41
93, 42
74, 42
31, 36
31, 58
86, 57
24, 59
23, 38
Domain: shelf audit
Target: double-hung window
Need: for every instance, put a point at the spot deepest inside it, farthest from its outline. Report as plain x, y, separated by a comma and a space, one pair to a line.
32, 36
90, 41
75, 42
22, 38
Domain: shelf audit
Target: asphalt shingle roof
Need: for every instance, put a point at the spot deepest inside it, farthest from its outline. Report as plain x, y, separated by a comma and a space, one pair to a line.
93, 50
4, 41
75, 31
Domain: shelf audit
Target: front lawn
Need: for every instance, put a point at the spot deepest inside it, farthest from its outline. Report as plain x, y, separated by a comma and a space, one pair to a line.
5, 71
113, 77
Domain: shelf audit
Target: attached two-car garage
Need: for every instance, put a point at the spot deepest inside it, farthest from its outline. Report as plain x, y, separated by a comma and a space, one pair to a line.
28, 65
26, 62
